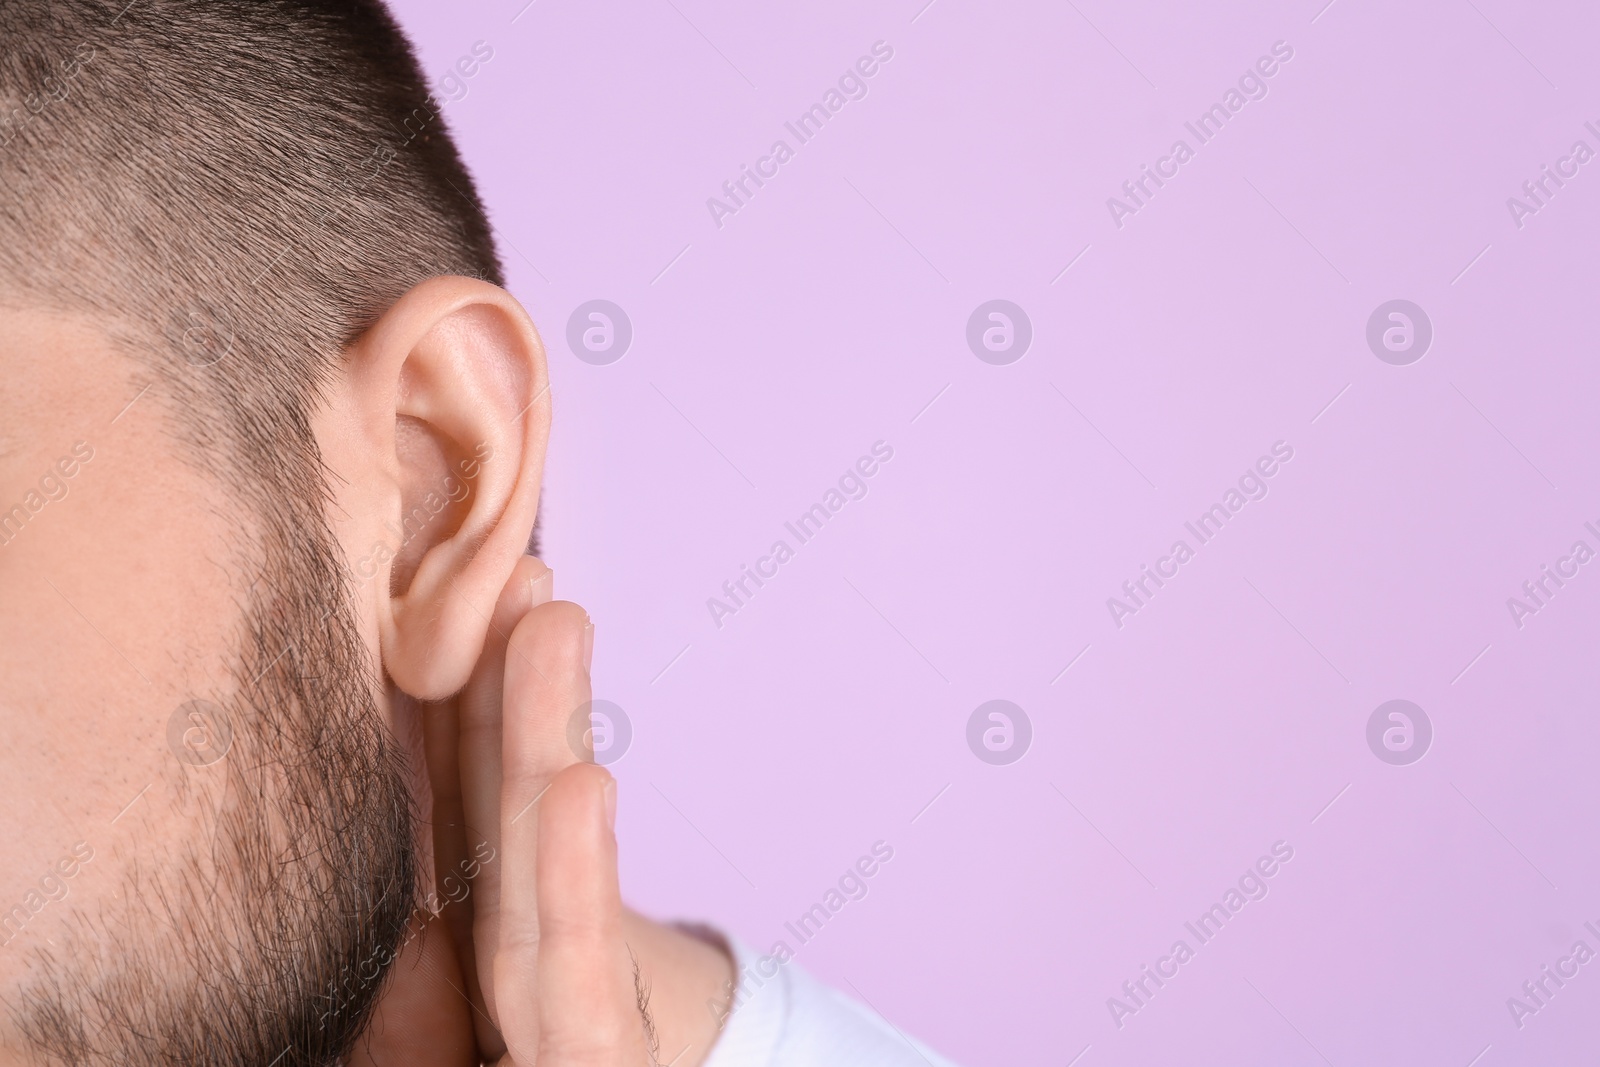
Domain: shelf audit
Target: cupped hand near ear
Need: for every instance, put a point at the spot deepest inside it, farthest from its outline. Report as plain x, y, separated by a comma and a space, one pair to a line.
526, 961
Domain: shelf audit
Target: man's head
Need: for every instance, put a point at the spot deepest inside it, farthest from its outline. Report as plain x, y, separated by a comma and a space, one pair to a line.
270, 442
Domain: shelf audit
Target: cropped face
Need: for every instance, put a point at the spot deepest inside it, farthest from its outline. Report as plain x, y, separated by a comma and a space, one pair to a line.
211, 720
182, 794
259, 492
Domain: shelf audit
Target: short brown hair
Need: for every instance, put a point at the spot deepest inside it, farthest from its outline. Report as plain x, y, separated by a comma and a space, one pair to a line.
240, 186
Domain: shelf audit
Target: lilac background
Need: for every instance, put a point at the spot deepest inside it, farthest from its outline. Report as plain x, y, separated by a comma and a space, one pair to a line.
1226, 315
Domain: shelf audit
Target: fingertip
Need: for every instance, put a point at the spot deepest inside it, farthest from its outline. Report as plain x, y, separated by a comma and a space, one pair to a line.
600, 789
550, 638
530, 584
541, 582
586, 786
578, 817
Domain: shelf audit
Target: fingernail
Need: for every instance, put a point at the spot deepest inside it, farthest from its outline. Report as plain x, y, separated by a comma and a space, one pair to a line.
611, 803
588, 644
539, 588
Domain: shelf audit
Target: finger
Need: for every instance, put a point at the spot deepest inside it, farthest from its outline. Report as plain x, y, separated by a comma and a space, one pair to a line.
587, 1004
547, 682
480, 723
423, 1018
448, 895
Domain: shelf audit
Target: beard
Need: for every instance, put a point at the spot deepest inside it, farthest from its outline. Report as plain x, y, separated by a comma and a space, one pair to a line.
263, 940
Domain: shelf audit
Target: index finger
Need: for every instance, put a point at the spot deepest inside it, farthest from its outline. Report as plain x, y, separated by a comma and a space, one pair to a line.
546, 686
480, 725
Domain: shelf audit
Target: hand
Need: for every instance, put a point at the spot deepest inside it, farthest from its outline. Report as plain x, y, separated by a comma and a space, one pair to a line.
526, 962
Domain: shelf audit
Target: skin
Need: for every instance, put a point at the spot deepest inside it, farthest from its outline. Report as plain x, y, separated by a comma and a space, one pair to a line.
116, 603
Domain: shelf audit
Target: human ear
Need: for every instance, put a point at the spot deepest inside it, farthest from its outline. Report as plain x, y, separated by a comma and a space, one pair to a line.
436, 432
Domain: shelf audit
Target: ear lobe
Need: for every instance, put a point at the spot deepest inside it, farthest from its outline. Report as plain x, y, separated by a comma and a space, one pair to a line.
451, 383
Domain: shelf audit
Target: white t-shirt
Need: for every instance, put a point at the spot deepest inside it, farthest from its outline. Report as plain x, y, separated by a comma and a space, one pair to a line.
789, 1019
